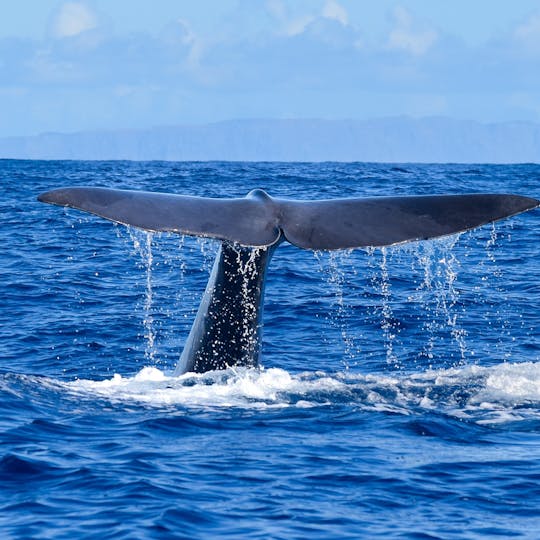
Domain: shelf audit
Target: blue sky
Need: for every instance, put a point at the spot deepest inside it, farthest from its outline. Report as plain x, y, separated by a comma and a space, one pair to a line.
94, 64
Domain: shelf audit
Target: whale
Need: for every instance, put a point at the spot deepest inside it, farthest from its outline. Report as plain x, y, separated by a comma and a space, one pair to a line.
227, 329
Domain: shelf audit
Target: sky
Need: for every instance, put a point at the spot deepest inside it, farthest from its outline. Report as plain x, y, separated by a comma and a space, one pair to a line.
68, 66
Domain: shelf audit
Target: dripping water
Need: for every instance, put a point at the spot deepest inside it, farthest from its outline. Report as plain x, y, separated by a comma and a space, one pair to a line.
491, 279
428, 269
431, 289
388, 324
438, 295
248, 270
490, 244
207, 248
378, 260
142, 242
339, 272
168, 306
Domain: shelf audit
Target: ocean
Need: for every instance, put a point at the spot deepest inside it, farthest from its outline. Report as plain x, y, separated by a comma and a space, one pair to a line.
399, 392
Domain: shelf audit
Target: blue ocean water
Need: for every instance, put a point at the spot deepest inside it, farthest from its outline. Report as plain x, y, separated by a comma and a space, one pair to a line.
399, 395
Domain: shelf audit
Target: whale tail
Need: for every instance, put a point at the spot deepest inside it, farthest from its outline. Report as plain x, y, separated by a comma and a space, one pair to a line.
259, 220
227, 328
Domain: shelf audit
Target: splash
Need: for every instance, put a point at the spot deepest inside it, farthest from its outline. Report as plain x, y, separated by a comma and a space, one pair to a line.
506, 393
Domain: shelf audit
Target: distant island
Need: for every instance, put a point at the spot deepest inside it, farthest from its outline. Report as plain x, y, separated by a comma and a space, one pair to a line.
397, 139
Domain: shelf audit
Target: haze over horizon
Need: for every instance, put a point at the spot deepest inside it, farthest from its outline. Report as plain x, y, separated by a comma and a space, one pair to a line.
80, 65
397, 140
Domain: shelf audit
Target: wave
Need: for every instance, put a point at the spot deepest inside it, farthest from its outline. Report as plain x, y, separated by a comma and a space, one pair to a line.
508, 392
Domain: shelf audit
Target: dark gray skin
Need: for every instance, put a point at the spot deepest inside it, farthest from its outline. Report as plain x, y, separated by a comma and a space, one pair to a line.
228, 326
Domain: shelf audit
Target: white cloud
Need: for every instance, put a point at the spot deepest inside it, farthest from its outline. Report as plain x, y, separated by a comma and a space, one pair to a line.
295, 22
405, 36
72, 19
333, 10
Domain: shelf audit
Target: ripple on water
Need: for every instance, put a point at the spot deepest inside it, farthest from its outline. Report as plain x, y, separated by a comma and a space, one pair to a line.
399, 396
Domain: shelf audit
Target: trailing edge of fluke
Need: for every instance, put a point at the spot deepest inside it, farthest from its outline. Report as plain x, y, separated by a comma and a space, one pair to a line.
259, 220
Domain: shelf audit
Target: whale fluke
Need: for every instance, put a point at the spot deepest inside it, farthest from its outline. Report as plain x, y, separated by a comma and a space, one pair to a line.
227, 328
384, 221
249, 221
259, 220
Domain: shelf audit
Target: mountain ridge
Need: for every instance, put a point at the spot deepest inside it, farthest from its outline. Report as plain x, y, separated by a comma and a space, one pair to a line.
391, 140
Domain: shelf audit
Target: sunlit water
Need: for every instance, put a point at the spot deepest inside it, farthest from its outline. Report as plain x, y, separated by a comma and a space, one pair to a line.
399, 395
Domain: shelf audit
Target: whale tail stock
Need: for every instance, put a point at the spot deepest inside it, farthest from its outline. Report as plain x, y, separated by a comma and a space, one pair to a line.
259, 220
227, 327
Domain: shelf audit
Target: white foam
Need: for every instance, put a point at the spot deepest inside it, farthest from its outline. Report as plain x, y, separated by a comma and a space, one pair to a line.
513, 383
507, 392
239, 387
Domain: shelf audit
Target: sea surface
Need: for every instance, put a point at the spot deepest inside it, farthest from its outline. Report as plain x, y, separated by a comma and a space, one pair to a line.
399, 393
